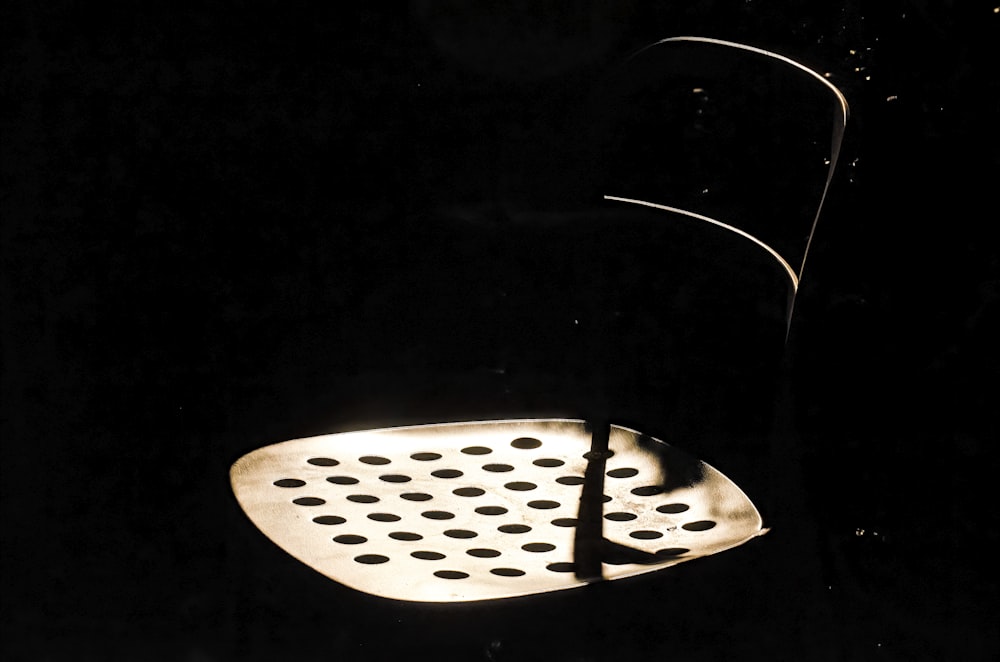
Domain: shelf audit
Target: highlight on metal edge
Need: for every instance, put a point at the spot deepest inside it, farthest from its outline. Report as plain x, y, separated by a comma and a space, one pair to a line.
709, 69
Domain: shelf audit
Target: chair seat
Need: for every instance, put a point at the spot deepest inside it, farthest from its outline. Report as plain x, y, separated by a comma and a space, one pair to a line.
484, 510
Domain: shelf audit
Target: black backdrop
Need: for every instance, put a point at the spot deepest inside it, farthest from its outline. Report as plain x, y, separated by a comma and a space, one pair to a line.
184, 186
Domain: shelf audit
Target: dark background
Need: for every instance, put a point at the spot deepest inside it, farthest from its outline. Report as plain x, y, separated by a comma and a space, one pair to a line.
195, 201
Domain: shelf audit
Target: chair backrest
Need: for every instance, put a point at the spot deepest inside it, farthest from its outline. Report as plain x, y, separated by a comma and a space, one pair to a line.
723, 133
669, 314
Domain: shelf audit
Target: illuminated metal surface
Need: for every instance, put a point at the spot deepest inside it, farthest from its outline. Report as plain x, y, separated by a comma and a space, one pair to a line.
483, 510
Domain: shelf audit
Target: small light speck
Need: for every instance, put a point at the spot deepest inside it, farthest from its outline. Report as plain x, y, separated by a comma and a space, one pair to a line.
891, 97
698, 90
826, 75
576, 321
853, 52
868, 77
704, 191
859, 532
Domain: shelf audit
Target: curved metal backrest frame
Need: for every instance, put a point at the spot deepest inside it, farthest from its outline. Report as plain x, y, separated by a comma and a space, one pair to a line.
839, 121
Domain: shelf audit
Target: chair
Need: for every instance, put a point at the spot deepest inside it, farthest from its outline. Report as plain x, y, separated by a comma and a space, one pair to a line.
579, 351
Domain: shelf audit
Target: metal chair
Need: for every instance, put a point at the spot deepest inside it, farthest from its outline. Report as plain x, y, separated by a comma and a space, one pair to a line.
649, 318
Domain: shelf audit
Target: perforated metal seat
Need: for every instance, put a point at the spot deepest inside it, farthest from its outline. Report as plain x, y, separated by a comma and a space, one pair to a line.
473, 511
